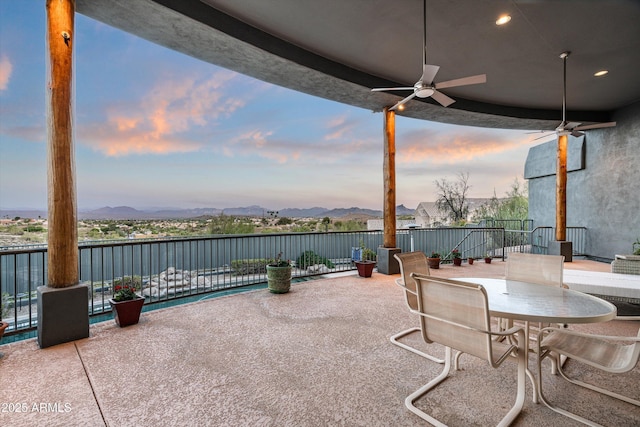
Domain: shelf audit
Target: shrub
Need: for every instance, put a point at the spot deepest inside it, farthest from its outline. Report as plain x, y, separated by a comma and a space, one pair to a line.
308, 258
249, 266
4, 305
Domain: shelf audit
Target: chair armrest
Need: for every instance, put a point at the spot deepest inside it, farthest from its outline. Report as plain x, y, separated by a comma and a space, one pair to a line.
544, 331
400, 283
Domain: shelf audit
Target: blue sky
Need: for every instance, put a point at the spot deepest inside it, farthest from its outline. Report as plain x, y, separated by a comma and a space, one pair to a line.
156, 128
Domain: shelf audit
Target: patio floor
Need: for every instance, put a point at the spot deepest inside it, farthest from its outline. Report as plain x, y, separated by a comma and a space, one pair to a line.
317, 356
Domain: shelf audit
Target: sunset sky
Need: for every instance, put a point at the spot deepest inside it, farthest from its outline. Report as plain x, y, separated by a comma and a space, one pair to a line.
155, 128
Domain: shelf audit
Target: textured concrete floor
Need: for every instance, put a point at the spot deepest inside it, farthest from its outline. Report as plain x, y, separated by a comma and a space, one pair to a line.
317, 356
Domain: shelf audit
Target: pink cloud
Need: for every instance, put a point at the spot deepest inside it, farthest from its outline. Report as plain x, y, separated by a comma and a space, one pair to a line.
5, 72
258, 142
451, 147
339, 126
158, 123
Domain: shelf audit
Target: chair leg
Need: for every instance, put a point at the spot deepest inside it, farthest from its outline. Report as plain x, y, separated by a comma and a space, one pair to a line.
394, 339
548, 404
598, 389
409, 401
422, 391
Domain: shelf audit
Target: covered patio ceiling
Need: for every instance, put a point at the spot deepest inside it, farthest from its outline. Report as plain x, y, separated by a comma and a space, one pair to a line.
340, 50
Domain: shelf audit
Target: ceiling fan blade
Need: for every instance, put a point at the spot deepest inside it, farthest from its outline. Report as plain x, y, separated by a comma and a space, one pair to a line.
380, 89
571, 125
408, 98
595, 126
429, 73
442, 98
471, 80
540, 137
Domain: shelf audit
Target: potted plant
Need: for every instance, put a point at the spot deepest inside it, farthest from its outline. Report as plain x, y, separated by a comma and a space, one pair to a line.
434, 260
126, 304
457, 258
279, 275
470, 260
487, 258
366, 263
4, 310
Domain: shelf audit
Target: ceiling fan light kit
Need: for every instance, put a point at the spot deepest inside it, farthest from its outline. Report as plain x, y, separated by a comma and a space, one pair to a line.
425, 87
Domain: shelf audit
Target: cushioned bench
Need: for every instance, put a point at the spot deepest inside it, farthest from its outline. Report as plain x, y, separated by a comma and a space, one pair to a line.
626, 264
623, 290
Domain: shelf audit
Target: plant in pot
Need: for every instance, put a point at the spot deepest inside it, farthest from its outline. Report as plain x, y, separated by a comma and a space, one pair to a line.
126, 304
367, 262
434, 260
457, 258
4, 311
487, 258
279, 275
470, 260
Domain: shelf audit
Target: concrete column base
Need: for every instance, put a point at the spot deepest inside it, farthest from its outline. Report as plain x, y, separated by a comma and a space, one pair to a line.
387, 264
63, 314
565, 248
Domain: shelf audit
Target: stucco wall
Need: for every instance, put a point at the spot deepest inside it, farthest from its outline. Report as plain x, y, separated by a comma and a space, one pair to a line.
603, 190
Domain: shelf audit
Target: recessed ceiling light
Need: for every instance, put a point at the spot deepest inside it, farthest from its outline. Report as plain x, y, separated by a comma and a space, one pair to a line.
601, 73
503, 20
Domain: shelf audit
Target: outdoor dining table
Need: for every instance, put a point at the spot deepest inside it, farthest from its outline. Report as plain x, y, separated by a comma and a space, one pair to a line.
533, 302
541, 303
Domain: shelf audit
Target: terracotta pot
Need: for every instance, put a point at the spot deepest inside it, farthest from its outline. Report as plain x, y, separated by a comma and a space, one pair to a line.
487, 260
278, 279
365, 268
127, 312
3, 326
470, 261
457, 262
434, 263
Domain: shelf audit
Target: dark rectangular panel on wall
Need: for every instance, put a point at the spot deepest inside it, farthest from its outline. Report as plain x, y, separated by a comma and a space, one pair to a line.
542, 159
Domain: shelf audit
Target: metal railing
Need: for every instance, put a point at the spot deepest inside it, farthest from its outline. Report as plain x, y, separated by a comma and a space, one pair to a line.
537, 240
169, 269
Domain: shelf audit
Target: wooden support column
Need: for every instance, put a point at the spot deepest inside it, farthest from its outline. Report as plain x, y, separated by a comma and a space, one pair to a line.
63, 309
62, 266
561, 188
387, 264
389, 212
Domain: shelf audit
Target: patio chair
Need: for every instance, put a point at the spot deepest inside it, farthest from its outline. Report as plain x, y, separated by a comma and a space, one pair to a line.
612, 354
533, 268
411, 262
456, 315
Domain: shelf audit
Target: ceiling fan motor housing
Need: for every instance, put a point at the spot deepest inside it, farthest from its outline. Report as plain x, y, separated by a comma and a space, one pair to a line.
423, 91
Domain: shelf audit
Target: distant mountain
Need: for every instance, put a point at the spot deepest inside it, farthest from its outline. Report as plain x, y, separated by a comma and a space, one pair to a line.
403, 210
127, 212
22, 213
314, 212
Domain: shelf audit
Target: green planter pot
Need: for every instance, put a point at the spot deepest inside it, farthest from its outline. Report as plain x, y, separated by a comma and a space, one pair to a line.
279, 279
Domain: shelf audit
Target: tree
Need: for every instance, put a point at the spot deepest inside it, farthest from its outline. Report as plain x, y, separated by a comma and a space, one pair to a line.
225, 224
326, 221
452, 197
514, 206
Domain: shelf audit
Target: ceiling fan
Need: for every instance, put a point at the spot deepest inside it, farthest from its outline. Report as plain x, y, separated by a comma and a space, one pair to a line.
425, 87
572, 127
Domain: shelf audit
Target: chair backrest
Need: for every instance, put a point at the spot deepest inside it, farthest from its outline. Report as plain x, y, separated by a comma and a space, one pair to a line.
412, 262
455, 314
534, 268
